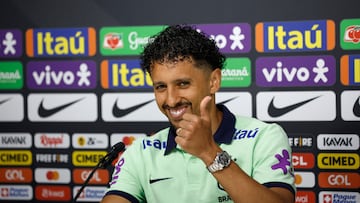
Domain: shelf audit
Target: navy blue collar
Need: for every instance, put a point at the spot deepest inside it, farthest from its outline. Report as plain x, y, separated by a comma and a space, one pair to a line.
224, 134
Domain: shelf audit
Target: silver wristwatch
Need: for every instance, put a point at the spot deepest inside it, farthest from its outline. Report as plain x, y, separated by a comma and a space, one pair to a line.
222, 160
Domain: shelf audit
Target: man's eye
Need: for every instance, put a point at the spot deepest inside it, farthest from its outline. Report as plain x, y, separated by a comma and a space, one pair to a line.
159, 87
183, 84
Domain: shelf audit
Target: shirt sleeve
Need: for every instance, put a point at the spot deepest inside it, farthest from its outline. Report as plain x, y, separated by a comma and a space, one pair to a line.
126, 176
272, 159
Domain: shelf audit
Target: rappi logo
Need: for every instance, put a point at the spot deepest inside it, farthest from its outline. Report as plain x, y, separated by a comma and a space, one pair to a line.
316, 35
61, 42
296, 71
123, 74
61, 74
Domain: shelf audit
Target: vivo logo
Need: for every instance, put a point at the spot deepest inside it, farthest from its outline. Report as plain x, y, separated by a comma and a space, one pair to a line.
61, 75
296, 71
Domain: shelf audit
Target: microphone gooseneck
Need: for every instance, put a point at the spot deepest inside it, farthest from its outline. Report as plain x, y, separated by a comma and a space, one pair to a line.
103, 163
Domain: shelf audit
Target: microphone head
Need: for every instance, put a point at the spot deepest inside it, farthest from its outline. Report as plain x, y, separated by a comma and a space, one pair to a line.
118, 147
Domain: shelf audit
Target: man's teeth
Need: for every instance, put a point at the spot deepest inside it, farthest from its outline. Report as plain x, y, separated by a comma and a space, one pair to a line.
176, 112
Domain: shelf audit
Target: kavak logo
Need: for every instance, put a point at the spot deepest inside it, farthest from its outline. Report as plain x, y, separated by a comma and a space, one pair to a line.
11, 43
338, 141
11, 107
15, 140
61, 74
230, 38
350, 105
296, 71
62, 107
315, 35
350, 70
296, 106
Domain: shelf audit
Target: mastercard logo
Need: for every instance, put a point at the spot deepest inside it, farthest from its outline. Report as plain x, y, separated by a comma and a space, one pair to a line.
52, 175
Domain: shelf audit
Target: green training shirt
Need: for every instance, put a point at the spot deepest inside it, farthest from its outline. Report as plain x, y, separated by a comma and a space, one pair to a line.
155, 170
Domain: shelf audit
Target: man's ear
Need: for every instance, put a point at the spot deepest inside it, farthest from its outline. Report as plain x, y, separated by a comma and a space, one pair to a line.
215, 80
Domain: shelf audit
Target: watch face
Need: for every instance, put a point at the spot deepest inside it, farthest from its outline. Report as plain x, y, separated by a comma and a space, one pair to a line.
224, 159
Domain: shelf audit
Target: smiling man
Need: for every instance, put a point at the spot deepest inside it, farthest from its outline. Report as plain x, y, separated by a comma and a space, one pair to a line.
208, 154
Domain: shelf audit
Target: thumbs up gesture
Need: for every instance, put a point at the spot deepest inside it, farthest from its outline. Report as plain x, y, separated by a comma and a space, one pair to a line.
195, 132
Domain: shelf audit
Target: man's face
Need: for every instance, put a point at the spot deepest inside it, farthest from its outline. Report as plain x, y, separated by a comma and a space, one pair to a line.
179, 87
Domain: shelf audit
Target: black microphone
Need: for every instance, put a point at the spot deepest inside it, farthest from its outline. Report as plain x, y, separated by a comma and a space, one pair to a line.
103, 163
112, 155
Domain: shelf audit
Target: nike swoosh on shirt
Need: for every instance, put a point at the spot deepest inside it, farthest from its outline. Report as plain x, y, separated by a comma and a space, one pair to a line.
356, 107
5, 100
44, 112
118, 112
277, 112
151, 181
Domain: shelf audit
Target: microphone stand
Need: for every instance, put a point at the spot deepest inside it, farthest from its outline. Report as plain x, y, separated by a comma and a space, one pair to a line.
103, 163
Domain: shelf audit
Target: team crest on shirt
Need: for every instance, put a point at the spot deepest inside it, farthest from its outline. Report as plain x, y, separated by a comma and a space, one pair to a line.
284, 162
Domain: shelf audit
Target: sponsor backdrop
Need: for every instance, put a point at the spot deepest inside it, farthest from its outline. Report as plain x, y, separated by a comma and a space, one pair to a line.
71, 87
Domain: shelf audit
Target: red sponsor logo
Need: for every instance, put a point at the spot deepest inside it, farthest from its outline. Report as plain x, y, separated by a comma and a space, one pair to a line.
16, 175
101, 176
52, 193
339, 180
303, 160
305, 197
51, 141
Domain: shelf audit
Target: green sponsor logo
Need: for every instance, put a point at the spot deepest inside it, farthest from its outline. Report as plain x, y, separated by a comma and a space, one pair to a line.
11, 75
236, 73
350, 34
126, 40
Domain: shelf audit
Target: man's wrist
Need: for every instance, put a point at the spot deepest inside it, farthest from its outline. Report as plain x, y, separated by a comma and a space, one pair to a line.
221, 161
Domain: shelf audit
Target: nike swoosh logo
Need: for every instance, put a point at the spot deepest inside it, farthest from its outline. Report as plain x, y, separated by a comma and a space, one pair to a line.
277, 112
5, 100
44, 112
226, 101
356, 107
118, 112
151, 181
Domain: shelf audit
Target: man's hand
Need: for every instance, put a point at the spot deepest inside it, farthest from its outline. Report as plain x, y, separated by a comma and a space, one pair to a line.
194, 134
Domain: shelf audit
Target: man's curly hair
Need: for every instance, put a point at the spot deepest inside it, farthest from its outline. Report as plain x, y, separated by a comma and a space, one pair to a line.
180, 42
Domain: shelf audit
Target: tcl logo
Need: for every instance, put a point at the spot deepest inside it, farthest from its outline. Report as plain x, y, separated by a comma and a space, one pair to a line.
303, 160
15, 175
339, 180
